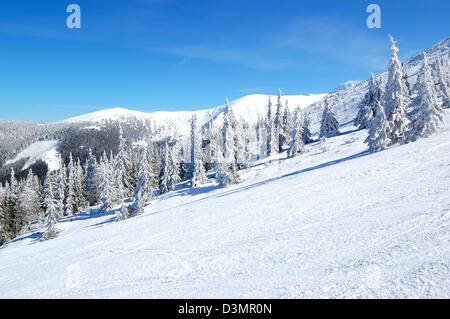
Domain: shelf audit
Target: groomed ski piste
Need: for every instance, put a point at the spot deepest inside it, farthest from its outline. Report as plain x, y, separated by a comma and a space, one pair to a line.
335, 222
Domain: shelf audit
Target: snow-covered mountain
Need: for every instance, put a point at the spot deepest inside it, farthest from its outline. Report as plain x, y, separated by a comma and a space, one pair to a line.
247, 107
335, 222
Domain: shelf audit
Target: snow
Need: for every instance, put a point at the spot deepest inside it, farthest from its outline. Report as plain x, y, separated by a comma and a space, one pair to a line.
43, 150
336, 222
248, 107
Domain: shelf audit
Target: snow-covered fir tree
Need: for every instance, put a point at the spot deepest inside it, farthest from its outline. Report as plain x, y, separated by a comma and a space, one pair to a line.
306, 131
442, 87
197, 173
277, 124
122, 213
29, 200
50, 205
367, 107
378, 139
329, 126
426, 117
70, 207
91, 180
396, 98
271, 147
286, 126
60, 188
106, 188
143, 189
122, 168
296, 146
226, 172
170, 172
211, 147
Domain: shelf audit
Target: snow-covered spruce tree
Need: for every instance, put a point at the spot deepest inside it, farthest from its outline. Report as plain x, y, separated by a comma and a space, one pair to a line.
10, 218
243, 144
29, 201
225, 174
367, 107
13, 205
441, 78
169, 172
296, 146
50, 206
306, 131
143, 189
197, 173
106, 178
425, 117
60, 187
377, 139
329, 126
270, 131
228, 132
211, 147
122, 168
396, 98
90, 180
277, 123
70, 207
136, 207
79, 192
122, 213
259, 135
286, 125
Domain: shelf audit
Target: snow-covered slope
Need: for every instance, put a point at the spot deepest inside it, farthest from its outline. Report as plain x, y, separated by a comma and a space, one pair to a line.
43, 150
334, 222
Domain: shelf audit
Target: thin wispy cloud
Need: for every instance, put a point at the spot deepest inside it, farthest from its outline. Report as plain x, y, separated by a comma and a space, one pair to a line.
251, 57
334, 39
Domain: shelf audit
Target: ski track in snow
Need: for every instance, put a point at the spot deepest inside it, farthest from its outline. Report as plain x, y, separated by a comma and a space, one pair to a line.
337, 224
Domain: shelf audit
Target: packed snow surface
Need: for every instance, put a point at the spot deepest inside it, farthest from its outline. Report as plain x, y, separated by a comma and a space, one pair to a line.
336, 222
43, 150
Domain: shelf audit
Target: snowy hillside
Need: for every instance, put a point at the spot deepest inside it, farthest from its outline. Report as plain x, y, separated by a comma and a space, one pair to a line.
44, 150
334, 222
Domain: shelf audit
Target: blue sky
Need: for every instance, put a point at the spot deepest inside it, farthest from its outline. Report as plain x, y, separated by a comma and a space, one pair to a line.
153, 55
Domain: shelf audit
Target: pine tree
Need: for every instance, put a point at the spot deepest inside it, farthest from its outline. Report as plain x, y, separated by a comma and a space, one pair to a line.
51, 215
211, 147
277, 124
329, 125
106, 184
270, 139
306, 132
70, 207
377, 139
29, 201
425, 117
59, 192
396, 98
296, 146
286, 125
122, 213
366, 109
443, 88
79, 191
225, 173
122, 169
90, 180
143, 189
170, 172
